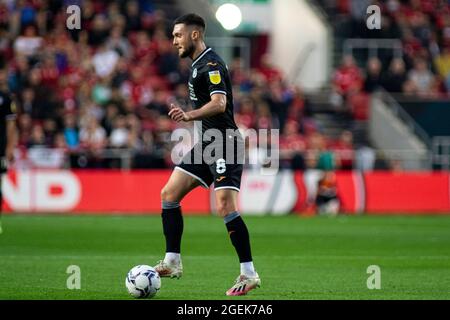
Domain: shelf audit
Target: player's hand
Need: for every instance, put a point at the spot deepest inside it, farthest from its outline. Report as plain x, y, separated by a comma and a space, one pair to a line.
177, 114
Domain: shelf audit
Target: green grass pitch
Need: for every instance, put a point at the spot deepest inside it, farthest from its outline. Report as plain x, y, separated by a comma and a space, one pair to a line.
297, 258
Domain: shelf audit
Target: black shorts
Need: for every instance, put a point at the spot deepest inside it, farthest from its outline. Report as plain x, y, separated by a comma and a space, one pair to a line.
225, 171
323, 199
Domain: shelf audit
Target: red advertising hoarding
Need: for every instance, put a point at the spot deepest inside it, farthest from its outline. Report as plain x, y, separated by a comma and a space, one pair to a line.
420, 192
93, 192
109, 191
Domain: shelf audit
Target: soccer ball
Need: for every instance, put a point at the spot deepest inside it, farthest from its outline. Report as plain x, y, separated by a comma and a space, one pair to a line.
143, 281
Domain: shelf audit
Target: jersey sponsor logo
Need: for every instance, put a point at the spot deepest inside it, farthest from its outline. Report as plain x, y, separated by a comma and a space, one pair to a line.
214, 77
194, 73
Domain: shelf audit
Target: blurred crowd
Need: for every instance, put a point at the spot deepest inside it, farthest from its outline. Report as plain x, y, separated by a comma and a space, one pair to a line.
87, 97
420, 69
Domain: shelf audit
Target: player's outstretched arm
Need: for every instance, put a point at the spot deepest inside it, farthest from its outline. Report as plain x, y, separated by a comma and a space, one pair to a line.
217, 105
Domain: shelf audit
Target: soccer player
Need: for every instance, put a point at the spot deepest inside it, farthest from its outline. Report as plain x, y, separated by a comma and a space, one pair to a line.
212, 101
7, 131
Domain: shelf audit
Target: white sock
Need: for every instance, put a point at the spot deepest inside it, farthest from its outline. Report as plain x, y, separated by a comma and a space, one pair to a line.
172, 258
248, 269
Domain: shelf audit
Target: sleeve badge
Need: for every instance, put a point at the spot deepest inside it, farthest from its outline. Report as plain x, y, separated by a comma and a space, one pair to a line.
13, 107
214, 77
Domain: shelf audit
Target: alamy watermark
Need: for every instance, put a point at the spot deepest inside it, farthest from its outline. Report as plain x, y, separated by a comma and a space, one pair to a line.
256, 148
374, 280
373, 21
73, 21
74, 280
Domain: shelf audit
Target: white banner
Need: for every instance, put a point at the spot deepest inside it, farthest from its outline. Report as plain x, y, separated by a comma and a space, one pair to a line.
267, 194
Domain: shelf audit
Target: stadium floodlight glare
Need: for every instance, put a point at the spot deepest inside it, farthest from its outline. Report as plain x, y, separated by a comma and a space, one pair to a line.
229, 16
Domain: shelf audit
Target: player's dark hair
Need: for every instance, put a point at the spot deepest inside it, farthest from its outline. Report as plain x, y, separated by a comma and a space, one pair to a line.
191, 19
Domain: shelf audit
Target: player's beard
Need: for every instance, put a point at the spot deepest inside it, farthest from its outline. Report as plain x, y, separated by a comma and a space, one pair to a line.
188, 52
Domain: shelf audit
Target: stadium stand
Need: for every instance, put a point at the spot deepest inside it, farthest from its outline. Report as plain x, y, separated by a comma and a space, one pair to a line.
408, 58
98, 97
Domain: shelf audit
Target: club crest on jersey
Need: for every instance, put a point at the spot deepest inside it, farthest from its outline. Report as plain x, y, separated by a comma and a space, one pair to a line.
194, 73
214, 77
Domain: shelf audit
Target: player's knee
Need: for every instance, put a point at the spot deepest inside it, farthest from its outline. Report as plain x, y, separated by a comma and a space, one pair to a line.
167, 194
223, 207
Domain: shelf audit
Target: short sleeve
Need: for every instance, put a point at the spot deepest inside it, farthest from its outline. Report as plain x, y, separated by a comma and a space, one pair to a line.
215, 78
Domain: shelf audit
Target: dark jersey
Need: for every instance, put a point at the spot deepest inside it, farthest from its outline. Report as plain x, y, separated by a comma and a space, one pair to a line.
6, 113
209, 75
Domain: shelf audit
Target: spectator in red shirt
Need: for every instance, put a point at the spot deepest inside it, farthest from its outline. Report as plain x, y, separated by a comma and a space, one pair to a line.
292, 147
264, 116
49, 72
298, 104
347, 77
246, 114
344, 150
270, 72
144, 49
25, 125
